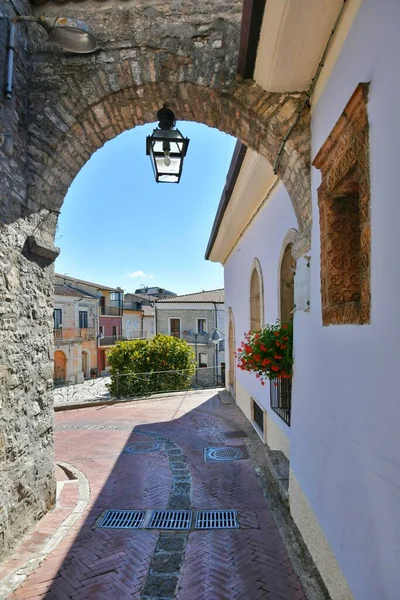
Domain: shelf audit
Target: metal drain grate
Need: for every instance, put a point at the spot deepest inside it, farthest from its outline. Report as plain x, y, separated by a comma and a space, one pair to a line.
122, 519
171, 519
217, 519
222, 453
143, 447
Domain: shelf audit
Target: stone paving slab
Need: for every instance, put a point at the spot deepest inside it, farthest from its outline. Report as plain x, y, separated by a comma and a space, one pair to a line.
90, 563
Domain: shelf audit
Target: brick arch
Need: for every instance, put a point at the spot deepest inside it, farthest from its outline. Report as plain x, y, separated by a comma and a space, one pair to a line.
65, 136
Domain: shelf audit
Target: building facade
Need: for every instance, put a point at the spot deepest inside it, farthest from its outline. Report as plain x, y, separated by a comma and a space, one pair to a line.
75, 345
341, 440
194, 318
138, 317
110, 311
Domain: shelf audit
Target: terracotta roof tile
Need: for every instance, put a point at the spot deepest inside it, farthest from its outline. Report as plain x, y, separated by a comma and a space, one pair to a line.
204, 296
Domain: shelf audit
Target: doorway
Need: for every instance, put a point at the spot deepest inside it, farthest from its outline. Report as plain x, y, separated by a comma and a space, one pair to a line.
60, 366
85, 364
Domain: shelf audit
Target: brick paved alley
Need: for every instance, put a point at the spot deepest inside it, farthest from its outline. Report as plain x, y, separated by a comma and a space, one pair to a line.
166, 470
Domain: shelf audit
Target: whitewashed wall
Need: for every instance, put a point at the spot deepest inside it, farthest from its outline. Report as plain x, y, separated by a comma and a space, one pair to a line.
263, 240
345, 443
345, 434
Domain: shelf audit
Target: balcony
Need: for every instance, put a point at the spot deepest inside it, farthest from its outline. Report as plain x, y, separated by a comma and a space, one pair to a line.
111, 311
196, 338
132, 305
140, 334
68, 334
109, 340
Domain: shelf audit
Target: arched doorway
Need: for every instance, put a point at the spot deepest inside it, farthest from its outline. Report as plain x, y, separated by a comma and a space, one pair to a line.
232, 361
85, 363
60, 366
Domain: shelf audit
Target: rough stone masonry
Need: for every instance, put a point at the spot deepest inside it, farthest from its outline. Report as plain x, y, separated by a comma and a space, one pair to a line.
63, 108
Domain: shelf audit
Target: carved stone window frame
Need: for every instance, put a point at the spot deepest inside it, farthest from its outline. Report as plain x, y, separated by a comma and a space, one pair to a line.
345, 152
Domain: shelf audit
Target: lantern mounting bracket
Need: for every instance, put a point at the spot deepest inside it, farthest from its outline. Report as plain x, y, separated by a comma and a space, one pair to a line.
166, 118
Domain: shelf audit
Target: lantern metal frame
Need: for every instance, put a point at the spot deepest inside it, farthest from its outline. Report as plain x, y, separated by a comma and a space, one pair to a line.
166, 141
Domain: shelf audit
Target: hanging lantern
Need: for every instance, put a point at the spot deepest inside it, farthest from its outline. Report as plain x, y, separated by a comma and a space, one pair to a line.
167, 148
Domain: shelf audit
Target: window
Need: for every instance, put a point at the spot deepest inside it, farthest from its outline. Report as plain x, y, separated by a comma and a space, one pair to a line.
281, 398
256, 297
101, 330
288, 266
83, 319
114, 296
203, 359
57, 316
344, 199
175, 327
114, 331
201, 325
258, 416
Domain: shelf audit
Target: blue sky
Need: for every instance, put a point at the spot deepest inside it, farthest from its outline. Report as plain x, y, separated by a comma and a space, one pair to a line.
117, 223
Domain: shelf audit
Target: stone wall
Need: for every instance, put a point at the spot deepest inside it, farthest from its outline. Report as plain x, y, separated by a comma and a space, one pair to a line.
27, 488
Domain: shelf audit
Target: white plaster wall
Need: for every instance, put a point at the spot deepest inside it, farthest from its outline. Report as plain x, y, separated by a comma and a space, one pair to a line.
345, 442
263, 240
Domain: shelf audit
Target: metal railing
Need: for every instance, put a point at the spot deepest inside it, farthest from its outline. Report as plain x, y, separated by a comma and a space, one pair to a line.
109, 340
281, 398
196, 338
73, 333
133, 305
138, 334
113, 311
136, 385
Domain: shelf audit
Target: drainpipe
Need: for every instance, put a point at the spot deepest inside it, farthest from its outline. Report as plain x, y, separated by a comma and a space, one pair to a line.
155, 318
216, 345
10, 59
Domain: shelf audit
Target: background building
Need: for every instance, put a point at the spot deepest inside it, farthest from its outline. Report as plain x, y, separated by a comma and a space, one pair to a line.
75, 346
110, 311
193, 318
138, 317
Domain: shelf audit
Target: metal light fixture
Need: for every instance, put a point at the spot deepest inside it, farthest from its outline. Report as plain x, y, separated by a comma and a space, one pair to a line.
69, 34
216, 338
167, 148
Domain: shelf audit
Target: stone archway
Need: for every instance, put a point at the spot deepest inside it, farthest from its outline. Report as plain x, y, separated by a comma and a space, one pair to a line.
63, 109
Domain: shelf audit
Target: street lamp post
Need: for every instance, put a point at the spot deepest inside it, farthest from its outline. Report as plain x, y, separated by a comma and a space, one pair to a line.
216, 339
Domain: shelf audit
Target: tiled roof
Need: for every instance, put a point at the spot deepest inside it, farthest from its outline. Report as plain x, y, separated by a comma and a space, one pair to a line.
60, 289
98, 285
216, 296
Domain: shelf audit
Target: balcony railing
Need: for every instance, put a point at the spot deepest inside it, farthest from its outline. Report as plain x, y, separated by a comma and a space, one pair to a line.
193, 338
109, 340
281, 398
133, 305
111, 311
72, 333
139, 334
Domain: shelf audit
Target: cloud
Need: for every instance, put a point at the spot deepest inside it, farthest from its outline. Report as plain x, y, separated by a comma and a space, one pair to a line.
140, 274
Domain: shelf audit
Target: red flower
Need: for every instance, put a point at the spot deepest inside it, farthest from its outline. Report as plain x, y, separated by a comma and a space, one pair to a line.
285, 338
263, 348
274, 368
283, 346
263, 383
266, 362
276, 333
284, 326
277, 357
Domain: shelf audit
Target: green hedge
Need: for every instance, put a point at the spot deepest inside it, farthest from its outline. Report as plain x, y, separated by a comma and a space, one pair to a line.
143, 367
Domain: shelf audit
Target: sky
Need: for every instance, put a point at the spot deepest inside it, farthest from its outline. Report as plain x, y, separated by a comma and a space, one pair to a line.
119, 227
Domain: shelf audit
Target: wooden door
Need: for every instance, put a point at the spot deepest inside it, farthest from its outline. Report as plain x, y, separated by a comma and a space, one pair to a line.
60, 363
175, 326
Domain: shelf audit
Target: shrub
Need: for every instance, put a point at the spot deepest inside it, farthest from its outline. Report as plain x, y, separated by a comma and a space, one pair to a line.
143, 367
268, 352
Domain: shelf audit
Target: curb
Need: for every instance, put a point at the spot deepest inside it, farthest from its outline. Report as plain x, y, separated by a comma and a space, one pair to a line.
18, 576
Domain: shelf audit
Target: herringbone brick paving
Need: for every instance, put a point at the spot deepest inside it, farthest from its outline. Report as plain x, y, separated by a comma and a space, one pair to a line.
249, 563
